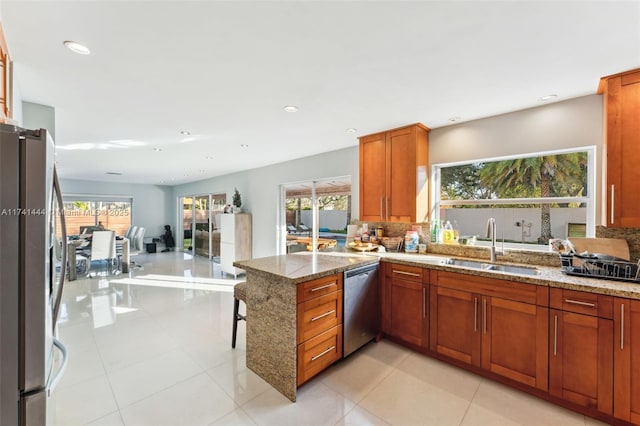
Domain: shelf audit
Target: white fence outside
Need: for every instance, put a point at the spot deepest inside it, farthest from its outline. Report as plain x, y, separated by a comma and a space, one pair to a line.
332, 219
474, 221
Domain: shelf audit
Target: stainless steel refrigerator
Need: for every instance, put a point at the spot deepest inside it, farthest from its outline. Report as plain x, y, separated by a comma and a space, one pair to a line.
31, 276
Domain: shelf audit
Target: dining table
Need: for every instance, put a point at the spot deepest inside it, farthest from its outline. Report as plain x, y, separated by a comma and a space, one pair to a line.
79, 248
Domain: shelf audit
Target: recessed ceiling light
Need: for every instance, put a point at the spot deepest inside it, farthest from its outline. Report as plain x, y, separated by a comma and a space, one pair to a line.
208, 157
454, 119
351, 130
185, 132
114, 173
548, 97
244, 145
157, 149
290, 108
76, 47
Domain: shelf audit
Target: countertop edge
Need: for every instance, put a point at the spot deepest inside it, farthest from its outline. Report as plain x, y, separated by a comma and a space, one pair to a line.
549, 276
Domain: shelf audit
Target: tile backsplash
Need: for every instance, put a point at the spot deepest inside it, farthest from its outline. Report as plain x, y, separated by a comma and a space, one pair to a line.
632, 235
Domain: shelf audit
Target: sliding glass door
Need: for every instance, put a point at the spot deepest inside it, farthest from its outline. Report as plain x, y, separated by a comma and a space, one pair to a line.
200, 234
314, 214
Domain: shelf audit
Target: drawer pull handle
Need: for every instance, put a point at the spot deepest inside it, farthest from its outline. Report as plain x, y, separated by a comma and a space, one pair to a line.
323, 287
577, 302
413, 274
313, 358
323, 315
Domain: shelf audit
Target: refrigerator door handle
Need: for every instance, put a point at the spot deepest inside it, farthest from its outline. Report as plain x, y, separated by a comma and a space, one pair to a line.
63, 265
63, 365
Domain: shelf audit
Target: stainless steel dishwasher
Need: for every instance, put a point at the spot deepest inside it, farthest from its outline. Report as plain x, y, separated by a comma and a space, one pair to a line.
361, 314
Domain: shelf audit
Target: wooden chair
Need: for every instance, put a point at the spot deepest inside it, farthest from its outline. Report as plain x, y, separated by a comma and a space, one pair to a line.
239, 293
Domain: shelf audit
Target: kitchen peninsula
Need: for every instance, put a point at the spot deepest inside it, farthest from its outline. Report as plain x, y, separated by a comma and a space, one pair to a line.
275, 286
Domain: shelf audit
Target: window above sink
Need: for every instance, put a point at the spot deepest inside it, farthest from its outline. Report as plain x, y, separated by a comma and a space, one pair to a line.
533, 197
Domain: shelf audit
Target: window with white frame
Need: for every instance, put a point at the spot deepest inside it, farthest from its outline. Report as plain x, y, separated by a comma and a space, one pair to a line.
533, 197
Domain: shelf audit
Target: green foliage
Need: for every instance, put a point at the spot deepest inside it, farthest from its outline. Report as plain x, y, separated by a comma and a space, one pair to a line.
332, 202
462, 182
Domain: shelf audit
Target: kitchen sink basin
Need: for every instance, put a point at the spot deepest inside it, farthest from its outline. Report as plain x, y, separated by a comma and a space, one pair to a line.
475, 264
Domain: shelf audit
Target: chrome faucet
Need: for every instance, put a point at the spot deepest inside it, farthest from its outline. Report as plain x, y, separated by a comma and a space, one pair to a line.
491, 233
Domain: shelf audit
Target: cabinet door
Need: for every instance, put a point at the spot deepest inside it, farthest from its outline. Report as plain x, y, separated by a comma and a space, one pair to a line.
515, 341
454, 324
408, 311
581, 359
407, 175
623, 155
372, 177
401, 183
626, 360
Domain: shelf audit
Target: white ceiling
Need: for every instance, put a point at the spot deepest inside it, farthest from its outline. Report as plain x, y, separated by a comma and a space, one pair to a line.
225, 70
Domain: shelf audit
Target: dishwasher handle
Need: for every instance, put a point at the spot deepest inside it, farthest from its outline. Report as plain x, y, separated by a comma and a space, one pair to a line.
360, 271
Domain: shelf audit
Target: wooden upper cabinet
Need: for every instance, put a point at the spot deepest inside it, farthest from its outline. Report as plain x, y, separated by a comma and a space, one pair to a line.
5, 80
622, 139
394, 175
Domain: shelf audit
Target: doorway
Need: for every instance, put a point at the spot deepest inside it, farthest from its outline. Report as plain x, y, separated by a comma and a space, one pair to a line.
199, 220
314, 211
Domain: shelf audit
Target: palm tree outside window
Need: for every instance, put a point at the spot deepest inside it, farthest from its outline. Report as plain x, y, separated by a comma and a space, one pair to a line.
534, 197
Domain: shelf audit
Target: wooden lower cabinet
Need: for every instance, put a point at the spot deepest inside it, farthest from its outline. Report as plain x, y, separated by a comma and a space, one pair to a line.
626, 360
496, 325
318, 353
405, 305
581, 349
514, 341
454, 321
319, 325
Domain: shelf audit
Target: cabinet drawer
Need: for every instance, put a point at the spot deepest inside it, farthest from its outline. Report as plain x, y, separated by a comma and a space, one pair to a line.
409, 273
581, 302
316, 288
318, 353
318, 315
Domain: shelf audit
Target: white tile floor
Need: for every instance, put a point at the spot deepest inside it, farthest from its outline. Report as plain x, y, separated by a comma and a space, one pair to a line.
154, 348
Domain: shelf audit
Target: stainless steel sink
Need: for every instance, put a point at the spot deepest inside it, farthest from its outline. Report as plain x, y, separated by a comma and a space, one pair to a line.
476, 264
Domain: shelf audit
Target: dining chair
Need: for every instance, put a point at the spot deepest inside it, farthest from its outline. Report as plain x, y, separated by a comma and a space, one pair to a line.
103, 248
136, 241
131, 232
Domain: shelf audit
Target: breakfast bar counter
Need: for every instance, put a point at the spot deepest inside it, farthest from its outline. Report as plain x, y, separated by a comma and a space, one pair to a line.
272, 310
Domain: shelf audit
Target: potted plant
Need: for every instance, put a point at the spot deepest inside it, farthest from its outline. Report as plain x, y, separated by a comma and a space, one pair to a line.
237, 201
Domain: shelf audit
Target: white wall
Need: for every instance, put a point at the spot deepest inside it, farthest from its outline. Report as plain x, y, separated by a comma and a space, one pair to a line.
36, 116
259, 189
152, 204
568, 124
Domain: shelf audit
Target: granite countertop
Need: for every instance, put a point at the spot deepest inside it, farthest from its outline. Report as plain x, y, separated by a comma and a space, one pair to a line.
549, 276
304, 266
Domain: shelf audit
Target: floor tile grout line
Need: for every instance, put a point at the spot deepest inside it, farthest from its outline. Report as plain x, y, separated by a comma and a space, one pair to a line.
471, 401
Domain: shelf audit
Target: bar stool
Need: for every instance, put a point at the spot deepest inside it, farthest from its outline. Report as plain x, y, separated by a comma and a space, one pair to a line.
239, 293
